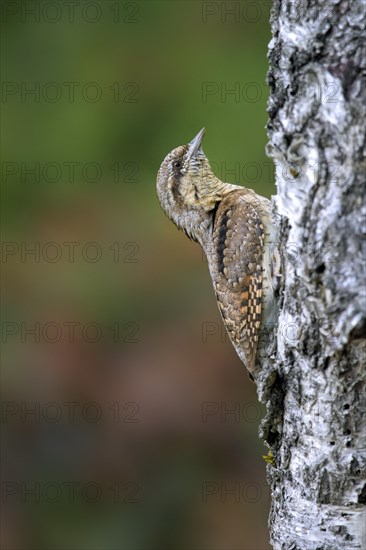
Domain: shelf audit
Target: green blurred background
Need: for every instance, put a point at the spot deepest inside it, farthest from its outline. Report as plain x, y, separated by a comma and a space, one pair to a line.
116, 86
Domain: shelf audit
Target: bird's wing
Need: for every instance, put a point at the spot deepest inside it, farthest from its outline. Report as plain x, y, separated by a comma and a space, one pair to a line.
237, 269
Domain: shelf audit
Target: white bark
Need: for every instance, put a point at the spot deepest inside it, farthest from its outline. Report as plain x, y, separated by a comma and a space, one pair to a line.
314, 386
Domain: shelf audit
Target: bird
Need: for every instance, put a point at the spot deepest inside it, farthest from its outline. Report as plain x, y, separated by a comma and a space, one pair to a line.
235, 228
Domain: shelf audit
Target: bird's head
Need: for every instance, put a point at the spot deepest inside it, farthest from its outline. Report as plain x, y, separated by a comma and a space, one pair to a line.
187, 188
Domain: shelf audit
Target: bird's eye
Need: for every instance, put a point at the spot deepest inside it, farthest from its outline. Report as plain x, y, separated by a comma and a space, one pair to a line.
177, 164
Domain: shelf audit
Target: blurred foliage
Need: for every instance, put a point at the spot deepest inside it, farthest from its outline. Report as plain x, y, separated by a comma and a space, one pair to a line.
152, 63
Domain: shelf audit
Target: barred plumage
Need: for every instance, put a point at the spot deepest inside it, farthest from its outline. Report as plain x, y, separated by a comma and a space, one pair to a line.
234, 227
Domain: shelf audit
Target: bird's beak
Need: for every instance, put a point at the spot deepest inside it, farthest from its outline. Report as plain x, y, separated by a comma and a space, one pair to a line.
195, 144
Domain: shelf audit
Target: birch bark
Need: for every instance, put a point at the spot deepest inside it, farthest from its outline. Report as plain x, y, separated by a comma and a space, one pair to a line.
314, 386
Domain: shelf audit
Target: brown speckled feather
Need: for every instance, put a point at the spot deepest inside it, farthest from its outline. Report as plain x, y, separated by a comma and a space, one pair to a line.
234, 226
237, 268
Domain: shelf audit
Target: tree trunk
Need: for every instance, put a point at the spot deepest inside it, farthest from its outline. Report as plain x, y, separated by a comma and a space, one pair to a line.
314, 386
